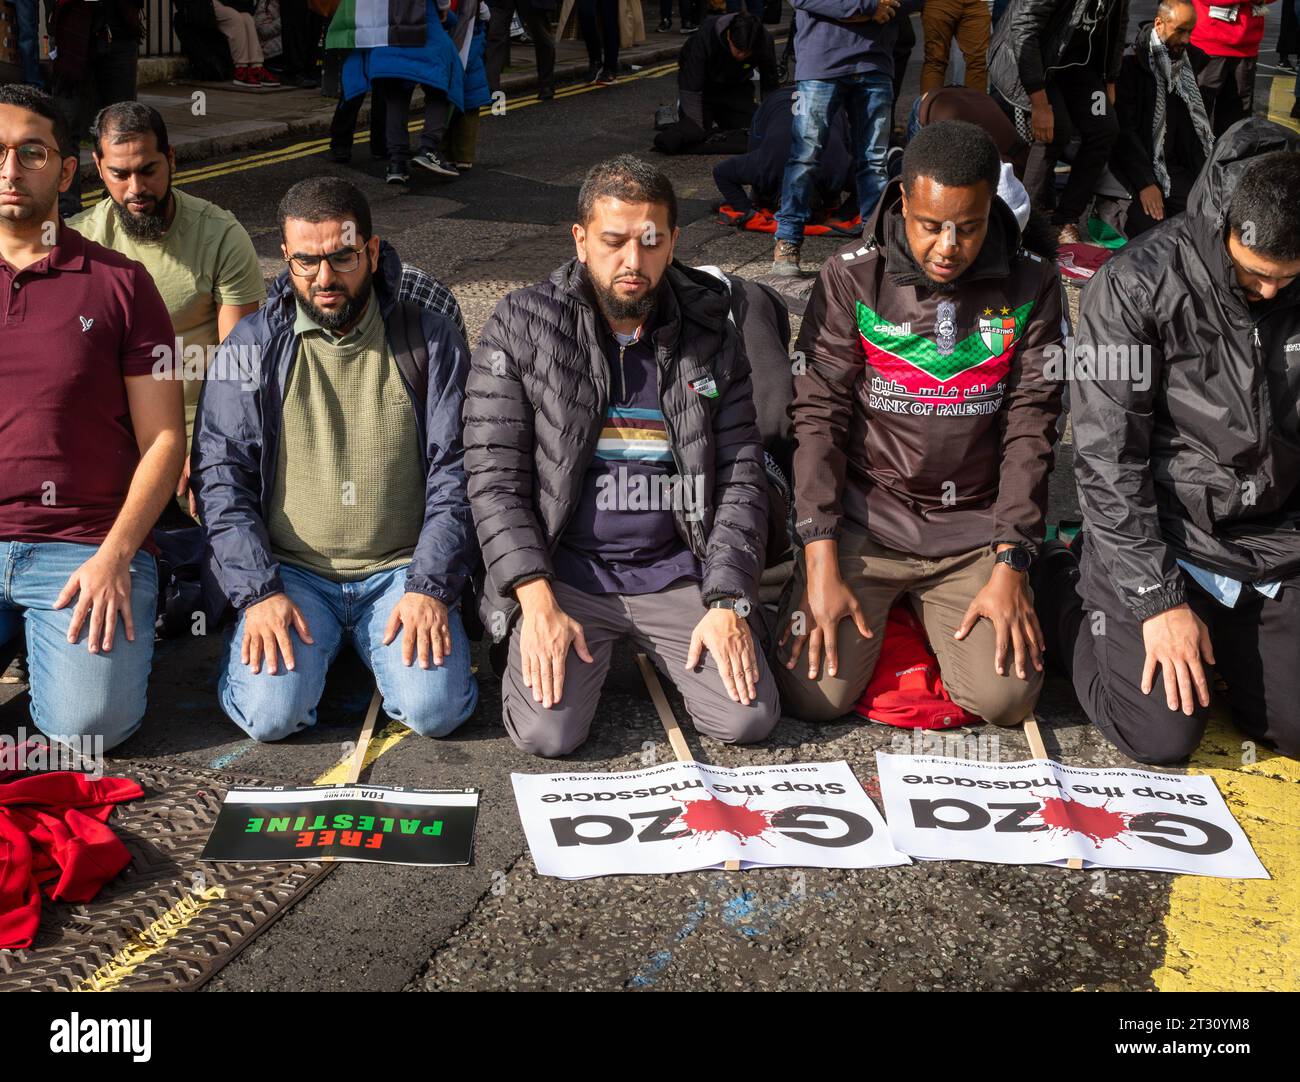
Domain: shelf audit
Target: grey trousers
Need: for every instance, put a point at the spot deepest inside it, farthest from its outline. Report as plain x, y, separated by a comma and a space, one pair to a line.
659, 624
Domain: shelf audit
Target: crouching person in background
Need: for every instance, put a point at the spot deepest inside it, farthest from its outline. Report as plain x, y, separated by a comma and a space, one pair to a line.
328, 470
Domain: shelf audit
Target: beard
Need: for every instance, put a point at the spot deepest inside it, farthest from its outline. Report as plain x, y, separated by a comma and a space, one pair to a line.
145, 226
616, 307
336, 319
934, 284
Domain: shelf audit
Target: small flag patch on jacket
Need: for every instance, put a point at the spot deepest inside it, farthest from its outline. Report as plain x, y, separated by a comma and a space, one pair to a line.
705, 387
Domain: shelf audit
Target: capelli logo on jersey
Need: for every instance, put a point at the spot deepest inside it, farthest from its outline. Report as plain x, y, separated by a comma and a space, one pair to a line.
1291, 347
894, 330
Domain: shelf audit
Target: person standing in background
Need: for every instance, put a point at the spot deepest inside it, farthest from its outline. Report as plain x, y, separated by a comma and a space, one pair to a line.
1224, 53
968, 23
532, 14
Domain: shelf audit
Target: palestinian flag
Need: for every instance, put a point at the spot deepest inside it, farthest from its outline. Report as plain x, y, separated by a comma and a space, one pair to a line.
371, 24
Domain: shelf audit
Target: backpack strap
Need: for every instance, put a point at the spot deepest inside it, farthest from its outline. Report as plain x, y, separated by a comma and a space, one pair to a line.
410, 351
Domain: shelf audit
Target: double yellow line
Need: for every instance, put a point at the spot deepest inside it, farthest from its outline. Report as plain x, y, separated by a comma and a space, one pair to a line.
315, 146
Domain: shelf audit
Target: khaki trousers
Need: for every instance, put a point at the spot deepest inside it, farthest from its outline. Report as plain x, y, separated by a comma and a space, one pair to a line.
966, 20
940, 590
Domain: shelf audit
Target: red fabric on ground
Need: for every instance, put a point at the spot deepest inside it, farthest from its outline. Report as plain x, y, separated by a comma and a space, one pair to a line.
53, 836
906, 689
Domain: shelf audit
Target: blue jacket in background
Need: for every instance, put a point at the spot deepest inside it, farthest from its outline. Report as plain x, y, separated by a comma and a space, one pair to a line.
236, 445
434, 63
826, 49
477, 91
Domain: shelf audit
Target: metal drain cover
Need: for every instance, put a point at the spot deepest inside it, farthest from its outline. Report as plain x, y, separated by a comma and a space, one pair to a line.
169, 921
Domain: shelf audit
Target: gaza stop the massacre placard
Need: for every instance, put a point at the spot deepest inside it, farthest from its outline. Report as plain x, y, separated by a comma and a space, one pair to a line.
686, 816
1043, 812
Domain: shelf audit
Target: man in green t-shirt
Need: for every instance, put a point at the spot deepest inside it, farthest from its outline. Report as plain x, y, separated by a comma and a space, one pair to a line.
201, 259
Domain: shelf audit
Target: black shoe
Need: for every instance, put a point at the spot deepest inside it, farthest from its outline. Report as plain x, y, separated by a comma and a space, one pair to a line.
689, 28
593, 72
307, 82
343, 157
546, 93
1284, 62
428, 159
397, 175
606, 77
665, 25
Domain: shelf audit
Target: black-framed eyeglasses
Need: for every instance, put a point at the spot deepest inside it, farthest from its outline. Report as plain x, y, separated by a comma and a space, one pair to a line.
30, 155
308, 266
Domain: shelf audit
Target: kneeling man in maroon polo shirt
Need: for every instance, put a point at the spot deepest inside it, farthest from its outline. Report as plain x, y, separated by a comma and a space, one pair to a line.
92, 438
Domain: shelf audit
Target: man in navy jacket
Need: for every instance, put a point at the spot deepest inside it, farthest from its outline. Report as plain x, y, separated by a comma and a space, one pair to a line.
328, 470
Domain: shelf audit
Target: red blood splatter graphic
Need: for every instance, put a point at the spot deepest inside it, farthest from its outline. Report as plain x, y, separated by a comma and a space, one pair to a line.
714, 816
1091, 820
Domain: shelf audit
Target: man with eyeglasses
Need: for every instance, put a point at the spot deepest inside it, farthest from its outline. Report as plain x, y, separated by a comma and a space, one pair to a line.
1186, 413
201, 259
327, 466
91, 441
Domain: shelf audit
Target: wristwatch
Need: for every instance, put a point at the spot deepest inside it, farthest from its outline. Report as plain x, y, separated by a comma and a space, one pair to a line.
739, 605
1017, 558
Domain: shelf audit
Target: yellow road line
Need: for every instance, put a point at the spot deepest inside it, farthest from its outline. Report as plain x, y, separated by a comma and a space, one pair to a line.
383, 741
1281, 96
145, 944
1241, 934
305, 149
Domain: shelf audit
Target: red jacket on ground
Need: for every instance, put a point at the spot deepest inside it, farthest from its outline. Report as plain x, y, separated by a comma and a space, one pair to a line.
906, 689
1217, 38
53, 837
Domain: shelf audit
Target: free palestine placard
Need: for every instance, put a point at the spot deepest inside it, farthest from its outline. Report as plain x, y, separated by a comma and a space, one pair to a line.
375, 823
1043, 812
686, 816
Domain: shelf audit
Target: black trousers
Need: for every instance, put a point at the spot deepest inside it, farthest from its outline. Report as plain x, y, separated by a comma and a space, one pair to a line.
396, 95
1256, 651
344, 124
1227, 87
600, 35
299, 36
1076, 109
111, 79
498, 42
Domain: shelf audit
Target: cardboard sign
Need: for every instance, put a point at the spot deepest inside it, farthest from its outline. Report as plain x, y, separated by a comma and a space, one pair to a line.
686, 816
1042, 812
375, 823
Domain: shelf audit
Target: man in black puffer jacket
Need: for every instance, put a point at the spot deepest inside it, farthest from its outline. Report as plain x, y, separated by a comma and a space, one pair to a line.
1186, 411
616, 476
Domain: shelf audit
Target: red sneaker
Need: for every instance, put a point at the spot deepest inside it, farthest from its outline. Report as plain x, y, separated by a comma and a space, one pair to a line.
246, 77
265, 77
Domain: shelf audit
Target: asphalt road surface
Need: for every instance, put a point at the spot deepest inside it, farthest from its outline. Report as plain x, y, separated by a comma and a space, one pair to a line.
497, 924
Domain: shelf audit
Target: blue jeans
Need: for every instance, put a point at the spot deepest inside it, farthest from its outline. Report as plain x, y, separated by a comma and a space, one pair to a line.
29, 40
431, 701
76, 693
868, 99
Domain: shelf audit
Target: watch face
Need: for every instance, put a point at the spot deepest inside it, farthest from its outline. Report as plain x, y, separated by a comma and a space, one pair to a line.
1018, 558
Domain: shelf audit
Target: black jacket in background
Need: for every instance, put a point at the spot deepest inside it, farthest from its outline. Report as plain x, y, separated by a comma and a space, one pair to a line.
1201, 460
1031, 36
706, 68
1135, 105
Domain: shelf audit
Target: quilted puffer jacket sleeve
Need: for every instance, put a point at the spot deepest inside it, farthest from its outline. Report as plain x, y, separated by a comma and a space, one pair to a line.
443, 556
736, 545
499, 456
